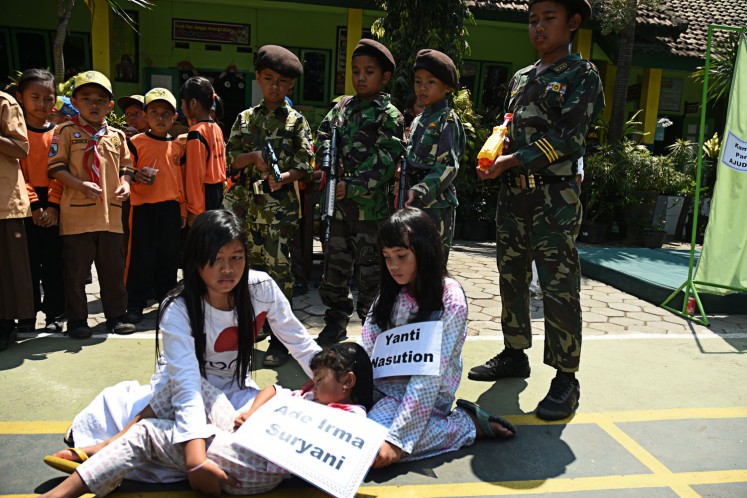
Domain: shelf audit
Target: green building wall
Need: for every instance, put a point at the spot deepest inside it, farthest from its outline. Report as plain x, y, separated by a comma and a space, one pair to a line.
302, 27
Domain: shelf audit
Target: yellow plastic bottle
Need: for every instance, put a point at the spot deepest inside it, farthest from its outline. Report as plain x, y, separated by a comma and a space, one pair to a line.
494, 144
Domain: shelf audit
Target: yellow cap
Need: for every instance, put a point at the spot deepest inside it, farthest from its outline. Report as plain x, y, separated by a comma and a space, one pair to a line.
130, 100
92, 77
160, 94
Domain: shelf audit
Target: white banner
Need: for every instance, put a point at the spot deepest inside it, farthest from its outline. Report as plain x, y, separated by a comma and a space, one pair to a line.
734, 155
331, 448
412, 349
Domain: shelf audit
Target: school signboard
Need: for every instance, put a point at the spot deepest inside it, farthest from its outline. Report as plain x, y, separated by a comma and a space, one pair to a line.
330, 448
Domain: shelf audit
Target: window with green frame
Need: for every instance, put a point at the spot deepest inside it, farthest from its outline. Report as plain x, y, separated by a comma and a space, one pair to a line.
487, 82
312, 88
22, 49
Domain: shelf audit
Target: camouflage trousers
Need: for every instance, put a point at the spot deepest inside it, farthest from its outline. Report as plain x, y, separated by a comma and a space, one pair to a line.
444, 220
541, 224
352, 248
269, 251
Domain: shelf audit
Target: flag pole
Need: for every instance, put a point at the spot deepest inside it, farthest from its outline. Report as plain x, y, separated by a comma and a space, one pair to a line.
689, 285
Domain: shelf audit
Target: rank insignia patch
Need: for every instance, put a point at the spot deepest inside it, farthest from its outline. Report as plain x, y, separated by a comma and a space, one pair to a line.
556, 87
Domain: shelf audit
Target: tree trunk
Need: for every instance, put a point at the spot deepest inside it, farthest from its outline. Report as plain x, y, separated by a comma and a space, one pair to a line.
64, 11
620, 98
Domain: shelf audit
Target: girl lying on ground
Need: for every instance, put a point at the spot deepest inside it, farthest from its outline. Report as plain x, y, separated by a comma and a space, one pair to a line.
208, 324
342, 379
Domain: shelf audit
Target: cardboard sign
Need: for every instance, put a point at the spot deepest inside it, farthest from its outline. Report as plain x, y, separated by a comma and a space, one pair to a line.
412, 349
734, 155
330, 448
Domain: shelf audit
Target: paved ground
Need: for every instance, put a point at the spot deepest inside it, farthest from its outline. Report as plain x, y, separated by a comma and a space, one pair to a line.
663, 409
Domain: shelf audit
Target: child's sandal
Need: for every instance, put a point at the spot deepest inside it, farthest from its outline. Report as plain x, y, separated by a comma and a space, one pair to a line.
484, 417
65, 465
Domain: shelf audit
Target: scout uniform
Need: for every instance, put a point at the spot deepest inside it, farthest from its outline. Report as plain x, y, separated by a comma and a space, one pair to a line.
124, 103
434, 149
538, 207
44, 243
91, 229
157, 209
369, 146
16, 296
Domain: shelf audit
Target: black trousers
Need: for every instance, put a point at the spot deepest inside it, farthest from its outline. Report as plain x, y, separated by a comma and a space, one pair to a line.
154, 252
213, 201
213, 196
45, 258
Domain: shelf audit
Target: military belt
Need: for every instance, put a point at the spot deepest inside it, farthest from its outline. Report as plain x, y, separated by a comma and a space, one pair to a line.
518, 180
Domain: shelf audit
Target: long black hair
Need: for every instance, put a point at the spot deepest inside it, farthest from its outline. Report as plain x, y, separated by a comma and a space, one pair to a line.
210, 232
413, 229
346, 357
200, 89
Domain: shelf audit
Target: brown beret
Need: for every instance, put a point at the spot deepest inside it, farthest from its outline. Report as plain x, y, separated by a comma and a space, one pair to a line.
439, 64
375, 49
581, 7
279, 59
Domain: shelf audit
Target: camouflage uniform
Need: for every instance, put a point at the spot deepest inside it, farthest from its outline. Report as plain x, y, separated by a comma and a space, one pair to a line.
552, 114
369, 145
434, 150
272, 217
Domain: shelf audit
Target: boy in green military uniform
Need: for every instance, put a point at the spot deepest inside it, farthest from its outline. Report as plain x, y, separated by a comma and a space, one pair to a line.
370, 133
271, 207
553, 102
436, 144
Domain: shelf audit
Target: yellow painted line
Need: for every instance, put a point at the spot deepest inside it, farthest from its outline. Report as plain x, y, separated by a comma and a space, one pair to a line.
51, 427
59, 427
646, 458
637, 416
677, 414
550, 486
561, 485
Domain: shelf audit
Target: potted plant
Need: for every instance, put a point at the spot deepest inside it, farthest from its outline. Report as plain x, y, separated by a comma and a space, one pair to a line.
475, 216
654, 234
603, 192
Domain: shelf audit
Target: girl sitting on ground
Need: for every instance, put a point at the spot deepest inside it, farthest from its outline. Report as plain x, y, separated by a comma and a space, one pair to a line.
343, 378
208, 324
417, 288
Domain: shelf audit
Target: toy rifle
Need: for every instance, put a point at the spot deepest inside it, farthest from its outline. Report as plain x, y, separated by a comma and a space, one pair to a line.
330, 169
272, 161
260, 186
402, 195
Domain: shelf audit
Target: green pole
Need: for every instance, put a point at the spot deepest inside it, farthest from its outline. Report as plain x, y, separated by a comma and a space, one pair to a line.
689, 285
699, 169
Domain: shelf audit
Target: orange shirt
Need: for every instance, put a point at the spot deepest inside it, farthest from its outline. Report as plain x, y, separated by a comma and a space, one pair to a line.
165, 155
79, 214
14, 198
34, 167
205, 162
